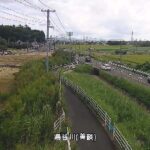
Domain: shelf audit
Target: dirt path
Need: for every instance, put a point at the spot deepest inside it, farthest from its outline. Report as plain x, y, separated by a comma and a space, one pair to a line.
84, 122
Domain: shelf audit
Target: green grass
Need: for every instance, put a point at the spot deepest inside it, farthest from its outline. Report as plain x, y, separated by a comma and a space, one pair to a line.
30, 110
123, 110
106, 52
129, 58
95, 47
137, 91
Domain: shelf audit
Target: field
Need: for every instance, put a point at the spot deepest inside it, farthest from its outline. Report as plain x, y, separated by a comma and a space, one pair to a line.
95, 47
21, 58
7, 73
123, 110
134, 56
129, 58
6, 78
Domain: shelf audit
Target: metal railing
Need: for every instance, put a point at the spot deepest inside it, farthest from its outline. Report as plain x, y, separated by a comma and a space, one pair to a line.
58, 122
101, 115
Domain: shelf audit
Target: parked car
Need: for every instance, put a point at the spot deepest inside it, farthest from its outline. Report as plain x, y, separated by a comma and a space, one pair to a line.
106, 67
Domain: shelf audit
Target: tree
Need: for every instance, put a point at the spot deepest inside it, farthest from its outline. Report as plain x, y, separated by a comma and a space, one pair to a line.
23, 33
3, 44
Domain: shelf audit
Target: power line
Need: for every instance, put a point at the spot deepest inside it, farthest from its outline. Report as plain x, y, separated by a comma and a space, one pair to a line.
25, 15
15, 15
31, 4
56, 25
11, 14
44, 4
60, 22
15, 20
55, 14
25, 4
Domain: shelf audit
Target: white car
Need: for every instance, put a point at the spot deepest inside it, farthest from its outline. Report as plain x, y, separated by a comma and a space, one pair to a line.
106, 67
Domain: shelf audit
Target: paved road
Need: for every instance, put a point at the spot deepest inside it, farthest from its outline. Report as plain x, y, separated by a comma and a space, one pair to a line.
84, 122
120, 72
129, 75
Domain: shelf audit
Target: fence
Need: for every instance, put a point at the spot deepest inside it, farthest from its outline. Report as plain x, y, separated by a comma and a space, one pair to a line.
58, 122
101, 115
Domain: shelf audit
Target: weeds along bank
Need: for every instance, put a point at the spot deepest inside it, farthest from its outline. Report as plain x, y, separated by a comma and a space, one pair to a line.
140, 92
131, 119
26, 121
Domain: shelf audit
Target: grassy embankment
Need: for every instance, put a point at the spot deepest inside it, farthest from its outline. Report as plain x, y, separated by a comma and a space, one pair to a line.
26, 120
139, 92
132, 119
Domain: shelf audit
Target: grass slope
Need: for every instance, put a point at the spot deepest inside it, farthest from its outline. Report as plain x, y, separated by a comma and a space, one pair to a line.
132, 120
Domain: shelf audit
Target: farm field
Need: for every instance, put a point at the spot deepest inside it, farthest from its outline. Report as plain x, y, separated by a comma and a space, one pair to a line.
122, 109
129, 58
104, 48
95, 47
21, 58
135, 56
7, 78
7, 73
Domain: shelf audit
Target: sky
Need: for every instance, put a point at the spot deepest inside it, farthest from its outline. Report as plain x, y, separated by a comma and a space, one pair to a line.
102, 19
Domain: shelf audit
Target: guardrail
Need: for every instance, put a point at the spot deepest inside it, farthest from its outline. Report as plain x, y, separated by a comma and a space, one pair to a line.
145, 74
101, 115
139, 72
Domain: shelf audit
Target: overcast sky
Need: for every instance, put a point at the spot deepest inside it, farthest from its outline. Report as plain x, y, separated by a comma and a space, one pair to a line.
105, 19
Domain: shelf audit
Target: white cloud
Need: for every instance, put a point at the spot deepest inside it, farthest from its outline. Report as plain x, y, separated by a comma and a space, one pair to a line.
100, 18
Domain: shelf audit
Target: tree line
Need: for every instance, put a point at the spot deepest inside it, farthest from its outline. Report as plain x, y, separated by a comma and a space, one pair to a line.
9, 35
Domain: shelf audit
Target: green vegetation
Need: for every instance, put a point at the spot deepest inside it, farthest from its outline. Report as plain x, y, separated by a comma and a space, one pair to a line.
144, 67
28, 115
135, 55
61, 58
141, 93
26, 120
23, 33
96, 47
128, 59
84, 69
12, 34
3, 43
132, 119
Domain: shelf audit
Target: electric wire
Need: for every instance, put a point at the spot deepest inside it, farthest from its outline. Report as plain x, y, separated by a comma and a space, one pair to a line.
25, 15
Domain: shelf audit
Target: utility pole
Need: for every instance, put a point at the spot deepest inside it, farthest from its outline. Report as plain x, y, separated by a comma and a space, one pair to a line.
48, 11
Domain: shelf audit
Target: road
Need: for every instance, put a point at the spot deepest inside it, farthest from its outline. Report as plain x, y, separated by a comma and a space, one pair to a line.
83, 121
129, 75
121, 72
